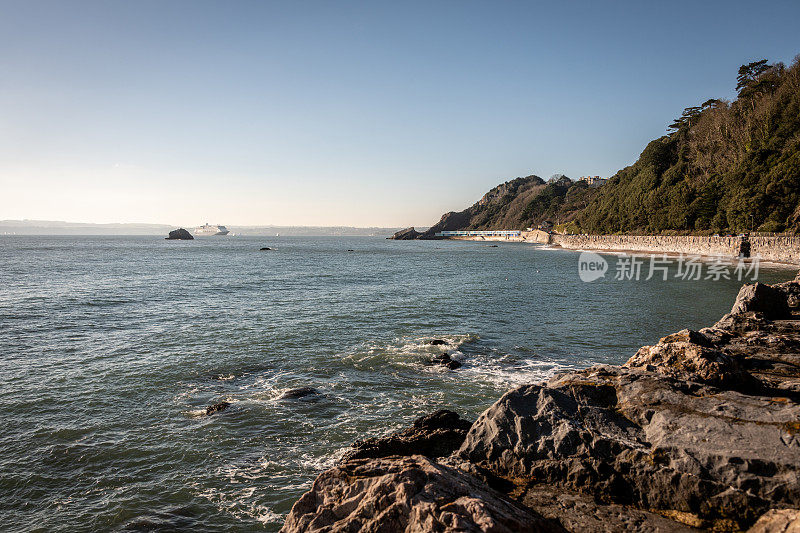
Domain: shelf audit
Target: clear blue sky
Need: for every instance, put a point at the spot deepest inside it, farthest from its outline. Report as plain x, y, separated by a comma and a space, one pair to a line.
373, 113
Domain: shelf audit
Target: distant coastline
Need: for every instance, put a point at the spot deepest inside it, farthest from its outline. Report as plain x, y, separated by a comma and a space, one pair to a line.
53, 227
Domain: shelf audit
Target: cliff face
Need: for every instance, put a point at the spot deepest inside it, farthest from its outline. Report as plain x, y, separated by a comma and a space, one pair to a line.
520, 203
700, 431
498, 208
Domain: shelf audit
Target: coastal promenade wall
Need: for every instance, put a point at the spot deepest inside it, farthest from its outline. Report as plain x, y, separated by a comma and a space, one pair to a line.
781, 249
689, 245
778, 249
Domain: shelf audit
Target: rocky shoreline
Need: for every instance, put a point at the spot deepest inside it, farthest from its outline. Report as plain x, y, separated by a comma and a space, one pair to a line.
698, 432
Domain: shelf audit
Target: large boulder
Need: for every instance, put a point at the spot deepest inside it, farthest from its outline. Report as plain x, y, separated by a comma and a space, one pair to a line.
180, 234
760, 298
410, 494
791, 290
690, 355
407, 234
633, 437
777, 521
435, 435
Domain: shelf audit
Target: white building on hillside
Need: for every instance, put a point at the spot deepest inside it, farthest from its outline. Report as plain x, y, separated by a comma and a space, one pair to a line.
593, 181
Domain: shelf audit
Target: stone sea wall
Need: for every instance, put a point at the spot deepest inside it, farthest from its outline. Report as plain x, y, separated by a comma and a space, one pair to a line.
779, 249
690, 245
782, 249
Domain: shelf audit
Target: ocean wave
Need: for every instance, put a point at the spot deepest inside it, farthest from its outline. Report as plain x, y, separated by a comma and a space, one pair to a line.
507, 371
107, 302
236, 504
404, 351
480, 363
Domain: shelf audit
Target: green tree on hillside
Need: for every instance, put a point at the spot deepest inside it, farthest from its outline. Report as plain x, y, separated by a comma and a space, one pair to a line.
724, 167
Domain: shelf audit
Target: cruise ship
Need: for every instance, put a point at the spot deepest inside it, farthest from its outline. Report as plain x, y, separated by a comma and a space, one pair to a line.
210, 229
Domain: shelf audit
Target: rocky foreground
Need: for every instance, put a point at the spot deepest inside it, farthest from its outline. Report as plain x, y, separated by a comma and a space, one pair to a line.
699, 432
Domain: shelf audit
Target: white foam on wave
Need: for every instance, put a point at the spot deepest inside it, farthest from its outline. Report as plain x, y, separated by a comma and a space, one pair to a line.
244, 483
499, 369
265, 468
187, 393
408, 351
320, 463
503, 373
265, 515
234, 503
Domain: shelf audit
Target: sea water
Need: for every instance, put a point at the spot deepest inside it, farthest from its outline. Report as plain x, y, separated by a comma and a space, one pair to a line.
112, 348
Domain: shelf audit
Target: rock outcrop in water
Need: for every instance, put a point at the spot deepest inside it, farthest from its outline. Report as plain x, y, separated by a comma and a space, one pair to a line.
179, 235
299, 392
446, 360
698, 432
408, 234
217, 407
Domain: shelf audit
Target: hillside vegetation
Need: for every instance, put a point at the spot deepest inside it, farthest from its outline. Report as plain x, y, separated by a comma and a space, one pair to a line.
723, 167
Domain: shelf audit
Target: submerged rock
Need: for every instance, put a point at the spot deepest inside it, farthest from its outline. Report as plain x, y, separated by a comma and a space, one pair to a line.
407, 234
299, 392
437, 342
446, 360
180, 234
434, 435
411, 494
217, 407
